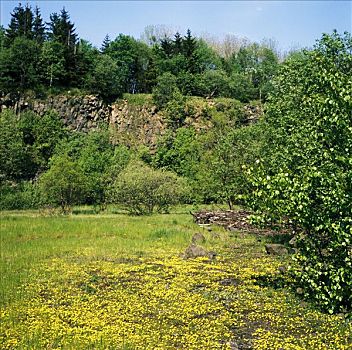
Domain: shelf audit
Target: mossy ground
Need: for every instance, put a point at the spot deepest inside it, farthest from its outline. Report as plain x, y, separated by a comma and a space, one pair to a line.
113, 281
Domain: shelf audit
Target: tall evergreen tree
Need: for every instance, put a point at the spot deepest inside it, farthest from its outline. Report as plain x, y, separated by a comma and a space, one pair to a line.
38, 27
167, 46
106, 43
62, 30
189, 44
189, 50
21, 24
2, 37
178, 43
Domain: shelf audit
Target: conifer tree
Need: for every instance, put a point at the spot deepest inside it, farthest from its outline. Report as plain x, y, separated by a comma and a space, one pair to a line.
21, 24
106, 43
189, 50
38, 27
178, 43
166, 45
189, 44
62, 30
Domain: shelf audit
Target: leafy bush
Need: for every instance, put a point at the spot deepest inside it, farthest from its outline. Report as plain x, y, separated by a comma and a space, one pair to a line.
24, 195
175, 111
221, 174
143, 190
12, 150
64, 184
179, 152
165, 90
106, 79
305, 175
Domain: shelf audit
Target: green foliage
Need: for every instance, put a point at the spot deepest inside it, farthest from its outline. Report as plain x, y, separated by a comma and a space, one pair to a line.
41, 134
179, 152
101, 163
252, 68
176, 110
138, 99
241, 87
165, 90
105, 79
133, 59
214, 83
14, 155
21, 24
24, 195
142, 190
222, 177
18, 65
52, 62
64, 184
305, 175
232, 111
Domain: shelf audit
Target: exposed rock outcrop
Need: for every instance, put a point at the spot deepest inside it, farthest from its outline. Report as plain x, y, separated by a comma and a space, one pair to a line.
133, 123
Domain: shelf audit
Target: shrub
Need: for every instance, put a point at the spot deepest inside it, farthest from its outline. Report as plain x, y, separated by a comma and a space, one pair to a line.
165, 90
64, 184
143, 190
23, 195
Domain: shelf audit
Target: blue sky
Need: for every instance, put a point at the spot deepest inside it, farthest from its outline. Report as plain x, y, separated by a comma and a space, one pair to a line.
290, 23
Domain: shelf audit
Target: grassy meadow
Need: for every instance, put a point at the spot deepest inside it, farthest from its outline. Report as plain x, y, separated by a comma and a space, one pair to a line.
113, 281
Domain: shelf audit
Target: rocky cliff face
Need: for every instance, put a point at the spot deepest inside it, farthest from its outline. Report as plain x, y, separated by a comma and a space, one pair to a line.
79, 113
132, 124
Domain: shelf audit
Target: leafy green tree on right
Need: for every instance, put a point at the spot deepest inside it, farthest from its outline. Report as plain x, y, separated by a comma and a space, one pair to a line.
305, 174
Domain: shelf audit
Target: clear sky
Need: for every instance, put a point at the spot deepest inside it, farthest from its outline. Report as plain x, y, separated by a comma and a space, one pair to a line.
290, 23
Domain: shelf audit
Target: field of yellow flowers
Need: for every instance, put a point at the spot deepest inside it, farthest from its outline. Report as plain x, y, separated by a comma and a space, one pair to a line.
118, 282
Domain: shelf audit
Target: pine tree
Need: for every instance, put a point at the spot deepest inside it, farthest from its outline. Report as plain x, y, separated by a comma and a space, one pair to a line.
38, 27
2, 37
62, 30
106, 43
189, 44
21, 24
189, 50
178, 43
167, 46
28, 22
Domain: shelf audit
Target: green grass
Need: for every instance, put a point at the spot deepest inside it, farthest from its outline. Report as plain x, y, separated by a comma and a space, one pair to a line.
89, 281
28, 239
138, 99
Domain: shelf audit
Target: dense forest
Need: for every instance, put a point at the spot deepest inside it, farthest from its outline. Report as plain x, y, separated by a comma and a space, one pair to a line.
43, 57
293, 167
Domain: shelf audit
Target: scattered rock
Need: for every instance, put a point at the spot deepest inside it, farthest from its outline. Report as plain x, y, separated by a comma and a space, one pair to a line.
233, 345
215, 235
282, 269
195, 251
198, 238
212, 255
276, 249
229, 282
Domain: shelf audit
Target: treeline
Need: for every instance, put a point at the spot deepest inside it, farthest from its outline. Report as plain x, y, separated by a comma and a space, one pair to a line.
49, 56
